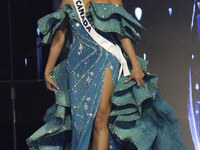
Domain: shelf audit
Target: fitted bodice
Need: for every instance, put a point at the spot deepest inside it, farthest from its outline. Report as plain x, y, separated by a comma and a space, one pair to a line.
79, 33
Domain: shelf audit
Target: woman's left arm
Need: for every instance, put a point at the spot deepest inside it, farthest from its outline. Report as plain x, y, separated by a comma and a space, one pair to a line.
127, 45
129, 49
136, 71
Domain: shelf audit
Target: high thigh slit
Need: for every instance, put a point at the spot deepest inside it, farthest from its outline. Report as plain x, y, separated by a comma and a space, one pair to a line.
140, 119
104, 97
111, 62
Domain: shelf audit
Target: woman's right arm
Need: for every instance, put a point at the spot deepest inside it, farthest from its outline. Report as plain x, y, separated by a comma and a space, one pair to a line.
56, 46
55, 50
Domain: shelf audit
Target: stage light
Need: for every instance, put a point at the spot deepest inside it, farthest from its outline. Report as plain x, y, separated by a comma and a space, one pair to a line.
145, 56
193, 15
197, 86
38, 31
26, 62
192, 56
170, 11
39, 55
198, 5
138, 13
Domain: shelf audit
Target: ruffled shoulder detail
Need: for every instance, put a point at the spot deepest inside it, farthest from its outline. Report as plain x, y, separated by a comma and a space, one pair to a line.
106, 18
49, 23
114, 18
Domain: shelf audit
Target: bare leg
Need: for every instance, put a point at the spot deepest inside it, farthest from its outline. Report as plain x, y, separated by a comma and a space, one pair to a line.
100, 135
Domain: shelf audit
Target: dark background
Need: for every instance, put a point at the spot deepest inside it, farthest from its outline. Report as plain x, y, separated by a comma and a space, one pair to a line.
167, 42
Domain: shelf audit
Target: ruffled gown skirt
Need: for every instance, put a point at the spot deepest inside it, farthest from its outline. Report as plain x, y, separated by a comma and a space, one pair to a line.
139, 120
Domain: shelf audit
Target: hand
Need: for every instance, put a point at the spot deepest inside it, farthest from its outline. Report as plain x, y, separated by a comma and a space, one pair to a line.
49, 82
137, 74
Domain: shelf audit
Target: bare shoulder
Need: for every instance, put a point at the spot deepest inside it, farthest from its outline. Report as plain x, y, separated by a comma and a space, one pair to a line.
116, 2
64, 2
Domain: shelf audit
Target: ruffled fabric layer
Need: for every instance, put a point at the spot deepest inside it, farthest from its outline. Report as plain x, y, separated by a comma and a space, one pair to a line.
114, 19
55, 134
140, 118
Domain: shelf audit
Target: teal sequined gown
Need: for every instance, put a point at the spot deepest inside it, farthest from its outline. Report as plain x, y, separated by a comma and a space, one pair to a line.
140, 119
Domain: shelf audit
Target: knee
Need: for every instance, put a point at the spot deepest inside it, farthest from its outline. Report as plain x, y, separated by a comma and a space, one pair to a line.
101, 119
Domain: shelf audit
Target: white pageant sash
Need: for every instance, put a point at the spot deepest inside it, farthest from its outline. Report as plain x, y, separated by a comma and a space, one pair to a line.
107, 45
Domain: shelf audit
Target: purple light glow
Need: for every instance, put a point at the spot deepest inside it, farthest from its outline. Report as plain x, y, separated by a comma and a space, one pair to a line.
193, 14
38, 31
193, 117
198, 27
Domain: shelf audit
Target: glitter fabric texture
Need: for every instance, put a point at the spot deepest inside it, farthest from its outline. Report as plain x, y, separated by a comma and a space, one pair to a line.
139, 120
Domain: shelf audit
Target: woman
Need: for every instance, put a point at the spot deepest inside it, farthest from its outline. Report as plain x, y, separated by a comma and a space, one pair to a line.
94, 109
